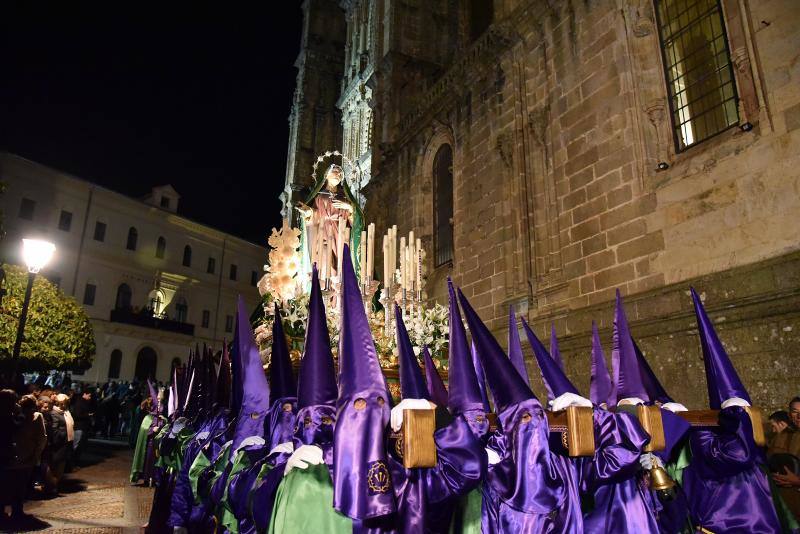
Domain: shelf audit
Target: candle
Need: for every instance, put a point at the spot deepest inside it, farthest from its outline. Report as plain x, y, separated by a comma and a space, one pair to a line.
386, 262
402, 262
393, 250
340, 246
324, 263
362, 252
370, 250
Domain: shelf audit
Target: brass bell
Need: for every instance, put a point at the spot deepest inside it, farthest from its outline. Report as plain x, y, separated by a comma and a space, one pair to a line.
662, 484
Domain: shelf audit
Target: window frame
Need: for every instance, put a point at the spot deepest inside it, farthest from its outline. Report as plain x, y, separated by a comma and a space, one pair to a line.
187, 256
211, 265
436, 192
161, 247
26, 202
61, 218
100, 229
133, 238
233, 272
673, 126
205, 319
87, 293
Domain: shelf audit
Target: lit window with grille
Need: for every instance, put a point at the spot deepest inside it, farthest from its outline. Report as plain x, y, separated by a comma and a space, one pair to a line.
443, 205
699, 74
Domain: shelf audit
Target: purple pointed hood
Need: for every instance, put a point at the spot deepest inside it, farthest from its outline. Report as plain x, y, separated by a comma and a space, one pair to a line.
553, 376
362, 485
600, 381
723, 381
436, 389
317, 380
508, 388
155, 408
554, 352
515, 347
412, 383
627, 374
316, 390
478, 366
255, 389
281, 382
222, 393
652, 386
464, 393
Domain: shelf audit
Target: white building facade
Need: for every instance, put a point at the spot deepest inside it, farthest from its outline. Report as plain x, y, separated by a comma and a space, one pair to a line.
153, 283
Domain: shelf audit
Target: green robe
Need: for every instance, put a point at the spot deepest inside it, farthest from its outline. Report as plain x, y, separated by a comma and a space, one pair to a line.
139, 453
304, 503
467, 515
241, 461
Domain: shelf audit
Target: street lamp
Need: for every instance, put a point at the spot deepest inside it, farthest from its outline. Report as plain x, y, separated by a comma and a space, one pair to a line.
36, 254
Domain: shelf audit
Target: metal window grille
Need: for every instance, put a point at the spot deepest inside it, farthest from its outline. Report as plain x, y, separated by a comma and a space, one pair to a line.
697, 63
443, 205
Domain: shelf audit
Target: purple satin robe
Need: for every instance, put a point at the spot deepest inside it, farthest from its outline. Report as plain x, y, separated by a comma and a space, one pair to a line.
423, 495
622, 500
726, 490
182, 504
530, 489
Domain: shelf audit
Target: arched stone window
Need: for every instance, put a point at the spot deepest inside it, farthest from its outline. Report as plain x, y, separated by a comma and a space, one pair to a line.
133, 238
124, 295
443, 205
181, 310
115, 363
161, 247
146, 364
187, 256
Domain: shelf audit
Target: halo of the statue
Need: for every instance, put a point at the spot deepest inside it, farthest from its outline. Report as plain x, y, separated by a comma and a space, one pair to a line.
353, 170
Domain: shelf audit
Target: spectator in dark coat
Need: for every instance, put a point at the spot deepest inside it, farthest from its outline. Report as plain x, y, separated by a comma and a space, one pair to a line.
82, 411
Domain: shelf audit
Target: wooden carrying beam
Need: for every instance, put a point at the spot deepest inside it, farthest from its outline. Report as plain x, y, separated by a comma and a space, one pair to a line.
577, 427
710, 419
650, 419
418, 446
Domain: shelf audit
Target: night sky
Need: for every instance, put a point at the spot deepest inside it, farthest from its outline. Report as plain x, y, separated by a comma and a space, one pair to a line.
132, 95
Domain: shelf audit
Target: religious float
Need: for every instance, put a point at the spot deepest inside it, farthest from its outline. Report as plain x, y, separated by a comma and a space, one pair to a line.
330, 217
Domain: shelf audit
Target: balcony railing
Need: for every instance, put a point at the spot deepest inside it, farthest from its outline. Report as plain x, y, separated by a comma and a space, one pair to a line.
146, 319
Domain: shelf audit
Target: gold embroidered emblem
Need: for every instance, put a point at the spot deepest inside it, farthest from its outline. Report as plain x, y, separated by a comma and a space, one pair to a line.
255, 415
378, 478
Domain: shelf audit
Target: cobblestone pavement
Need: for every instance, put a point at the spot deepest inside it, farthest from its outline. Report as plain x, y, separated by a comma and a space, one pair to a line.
96, 499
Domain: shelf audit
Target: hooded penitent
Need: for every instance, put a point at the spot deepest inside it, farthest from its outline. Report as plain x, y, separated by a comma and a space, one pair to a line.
155, 407
254, 387
723, 381
525, 480
726, 489
362, 483
283, 390
412, 383
553, 376
515, 347
316, 390
600, 381
222, 390
627, 376
465, 394
436, 389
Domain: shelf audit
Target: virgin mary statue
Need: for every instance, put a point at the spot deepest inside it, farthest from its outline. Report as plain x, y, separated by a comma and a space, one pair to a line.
328, 216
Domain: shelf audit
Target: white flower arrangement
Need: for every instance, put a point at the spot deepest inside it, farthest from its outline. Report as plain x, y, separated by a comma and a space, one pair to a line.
281, 280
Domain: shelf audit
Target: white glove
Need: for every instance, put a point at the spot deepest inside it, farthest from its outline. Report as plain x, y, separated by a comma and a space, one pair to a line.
735, 401
304, 456
630, 401
648, 461
674, 407
407, 404
286, 446
563, 401
180, 530
251, 440
494, 458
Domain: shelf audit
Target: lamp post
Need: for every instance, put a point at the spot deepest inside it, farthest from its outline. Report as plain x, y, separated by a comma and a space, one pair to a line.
36, 254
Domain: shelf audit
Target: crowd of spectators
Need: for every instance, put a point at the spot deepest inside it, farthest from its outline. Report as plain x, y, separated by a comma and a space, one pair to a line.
783, 453
46, 426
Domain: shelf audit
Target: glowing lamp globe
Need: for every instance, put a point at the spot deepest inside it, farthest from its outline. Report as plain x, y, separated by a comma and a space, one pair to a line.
37, 253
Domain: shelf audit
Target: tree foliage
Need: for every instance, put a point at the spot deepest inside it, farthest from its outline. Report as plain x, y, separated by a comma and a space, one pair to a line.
58, 334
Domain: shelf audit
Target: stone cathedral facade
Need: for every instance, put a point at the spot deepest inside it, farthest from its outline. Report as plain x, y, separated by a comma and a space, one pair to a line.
550, 152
